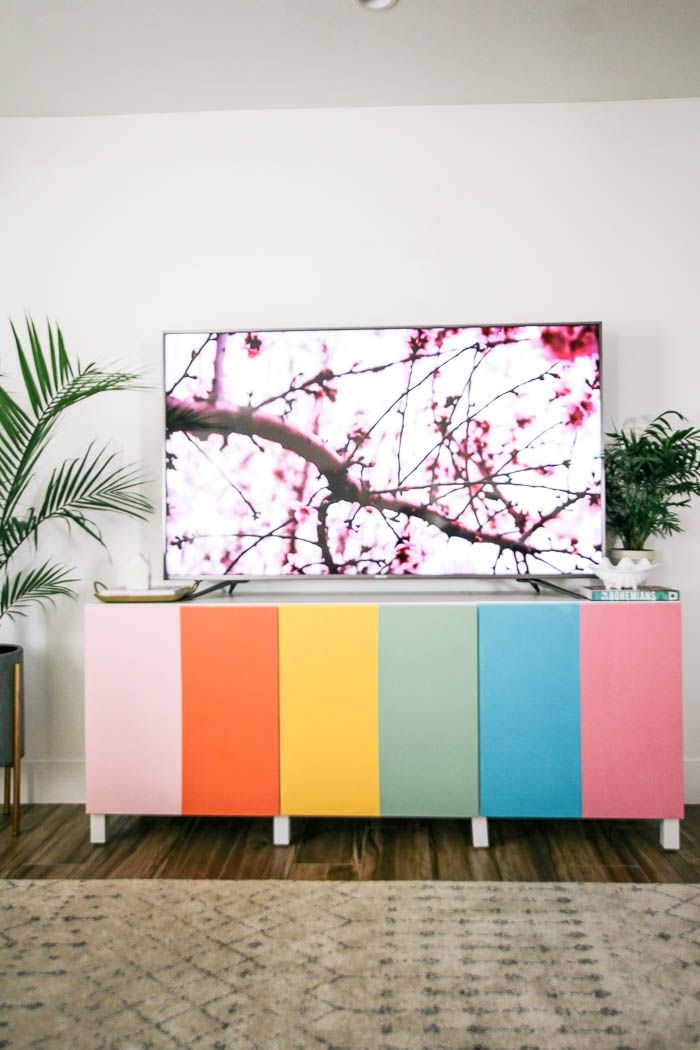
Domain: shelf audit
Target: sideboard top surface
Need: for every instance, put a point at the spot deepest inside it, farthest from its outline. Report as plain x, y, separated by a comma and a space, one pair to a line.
279, 598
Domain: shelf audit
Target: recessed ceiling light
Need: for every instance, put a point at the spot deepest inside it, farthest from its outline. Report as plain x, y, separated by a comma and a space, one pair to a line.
376, 5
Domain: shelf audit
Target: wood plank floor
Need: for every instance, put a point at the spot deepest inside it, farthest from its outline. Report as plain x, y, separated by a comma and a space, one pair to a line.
54, 844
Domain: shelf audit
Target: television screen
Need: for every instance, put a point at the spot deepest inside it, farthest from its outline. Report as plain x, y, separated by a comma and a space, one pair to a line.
442, 451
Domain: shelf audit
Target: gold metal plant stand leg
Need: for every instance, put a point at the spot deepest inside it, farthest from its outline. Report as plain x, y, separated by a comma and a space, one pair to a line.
6, 801
16, 751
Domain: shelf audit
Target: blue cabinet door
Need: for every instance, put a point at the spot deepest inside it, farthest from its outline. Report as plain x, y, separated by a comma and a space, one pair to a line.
529, 722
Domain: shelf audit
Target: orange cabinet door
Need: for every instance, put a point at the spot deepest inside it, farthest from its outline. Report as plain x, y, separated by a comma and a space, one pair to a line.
230, 735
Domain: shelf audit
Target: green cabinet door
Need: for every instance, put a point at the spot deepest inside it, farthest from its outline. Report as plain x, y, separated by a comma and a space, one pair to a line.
428, 711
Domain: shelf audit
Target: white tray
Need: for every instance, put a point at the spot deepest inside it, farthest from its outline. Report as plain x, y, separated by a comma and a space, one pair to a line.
155, 594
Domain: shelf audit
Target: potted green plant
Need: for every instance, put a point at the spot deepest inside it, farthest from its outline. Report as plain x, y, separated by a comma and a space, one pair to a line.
650, 474
72, 491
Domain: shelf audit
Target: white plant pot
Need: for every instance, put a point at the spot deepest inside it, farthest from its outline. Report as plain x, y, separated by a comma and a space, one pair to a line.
618, 553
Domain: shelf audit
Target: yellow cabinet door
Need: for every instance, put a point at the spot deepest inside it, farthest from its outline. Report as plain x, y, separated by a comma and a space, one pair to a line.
329, 739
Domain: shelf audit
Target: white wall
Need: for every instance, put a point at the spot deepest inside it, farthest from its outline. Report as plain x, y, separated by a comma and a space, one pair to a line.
122, 227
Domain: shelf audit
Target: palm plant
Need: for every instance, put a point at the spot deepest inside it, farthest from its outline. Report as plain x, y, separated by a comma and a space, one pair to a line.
649, 475
74, 490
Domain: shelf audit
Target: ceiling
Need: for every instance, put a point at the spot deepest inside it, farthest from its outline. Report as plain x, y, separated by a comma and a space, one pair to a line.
87, 57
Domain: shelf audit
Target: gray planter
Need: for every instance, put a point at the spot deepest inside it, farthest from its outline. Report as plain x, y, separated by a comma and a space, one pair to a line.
9, 656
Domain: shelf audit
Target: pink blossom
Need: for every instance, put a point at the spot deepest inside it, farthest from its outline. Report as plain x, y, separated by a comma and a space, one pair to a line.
578, 413
566, 342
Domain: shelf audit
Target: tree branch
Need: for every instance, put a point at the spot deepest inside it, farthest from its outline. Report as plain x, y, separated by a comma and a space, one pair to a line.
201, 419
217, 383
193, 358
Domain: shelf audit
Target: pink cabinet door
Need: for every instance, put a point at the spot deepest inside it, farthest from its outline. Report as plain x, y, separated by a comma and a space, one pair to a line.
133, 709
631, 710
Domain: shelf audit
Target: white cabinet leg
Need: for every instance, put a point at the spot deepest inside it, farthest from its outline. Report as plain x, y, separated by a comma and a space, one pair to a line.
99, 829
281, 831
671, 834
480, 831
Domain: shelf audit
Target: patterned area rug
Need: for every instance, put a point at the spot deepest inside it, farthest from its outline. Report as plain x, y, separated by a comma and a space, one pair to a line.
131, 965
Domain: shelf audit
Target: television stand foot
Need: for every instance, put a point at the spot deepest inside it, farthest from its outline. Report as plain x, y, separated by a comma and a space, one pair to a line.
281, 831
226, 585
670, 834
536, 583
480, 832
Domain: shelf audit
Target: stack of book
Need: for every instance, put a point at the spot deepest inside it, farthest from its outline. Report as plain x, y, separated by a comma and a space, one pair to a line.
631, 594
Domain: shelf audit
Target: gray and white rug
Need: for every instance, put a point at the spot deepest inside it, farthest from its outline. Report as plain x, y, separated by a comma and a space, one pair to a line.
132, 965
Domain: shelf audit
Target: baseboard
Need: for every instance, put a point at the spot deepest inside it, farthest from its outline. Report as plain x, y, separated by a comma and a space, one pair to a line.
63, 780
53, 780
692, 780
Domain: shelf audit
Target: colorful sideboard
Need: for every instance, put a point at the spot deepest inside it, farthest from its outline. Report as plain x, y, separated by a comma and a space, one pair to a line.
475, 710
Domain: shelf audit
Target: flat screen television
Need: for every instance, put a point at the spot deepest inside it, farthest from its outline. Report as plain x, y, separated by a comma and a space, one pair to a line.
430, 452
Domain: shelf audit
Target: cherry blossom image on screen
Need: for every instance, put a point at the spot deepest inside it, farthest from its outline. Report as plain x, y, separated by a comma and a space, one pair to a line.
421, 451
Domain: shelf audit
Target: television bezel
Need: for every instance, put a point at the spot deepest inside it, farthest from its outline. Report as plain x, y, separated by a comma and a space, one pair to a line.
368, 579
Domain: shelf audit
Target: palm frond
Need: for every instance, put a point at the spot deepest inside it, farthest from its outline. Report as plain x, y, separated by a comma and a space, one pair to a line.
15, 433
52, 385
27, 376
41, 369
77, 489
14, 534
94, 483
43, 584
91, 483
